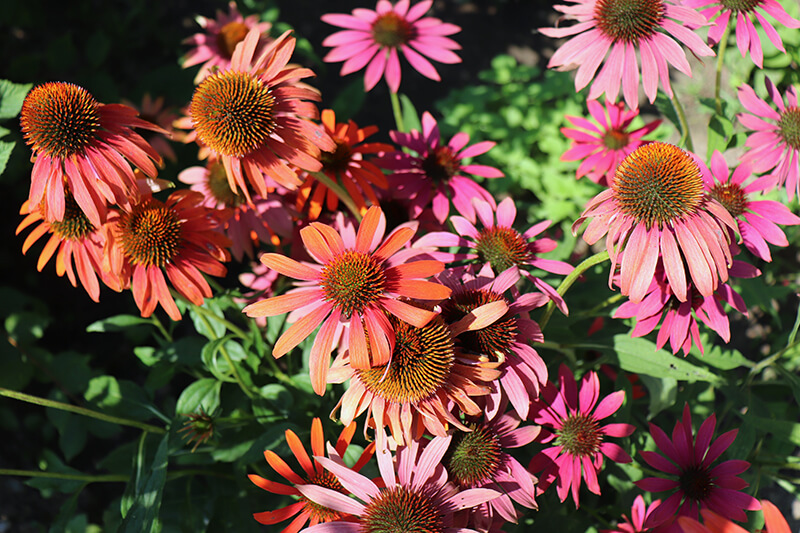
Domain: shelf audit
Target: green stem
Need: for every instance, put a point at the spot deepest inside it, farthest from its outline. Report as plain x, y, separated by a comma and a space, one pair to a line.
767, 361
686, 138
157, 323
339, 191
21, 396
398, 113
723, 44
571, 278
114, 478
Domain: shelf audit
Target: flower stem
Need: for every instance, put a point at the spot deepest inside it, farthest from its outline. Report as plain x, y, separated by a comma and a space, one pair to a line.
562, 289
21, 396
398, 113
686, 138
723, 44
114, 478
339, 191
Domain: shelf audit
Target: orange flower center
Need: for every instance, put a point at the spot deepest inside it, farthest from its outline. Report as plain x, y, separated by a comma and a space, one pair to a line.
615, 139
390, 30
420, 364
440, 164
59, 119
741, 5
150, 234
789, 127
75, 225
399, 510
353, 281
229, 36
658, 183
580, 435
494, 340
696, 483
233, 112
220, 188
337, 161
731, 196
629, 20
502, 247
474, 457
317, 511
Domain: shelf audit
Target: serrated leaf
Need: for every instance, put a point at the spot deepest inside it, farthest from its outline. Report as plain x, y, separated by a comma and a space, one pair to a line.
5, 153
641, 356
117, 323
11, 97
203, 393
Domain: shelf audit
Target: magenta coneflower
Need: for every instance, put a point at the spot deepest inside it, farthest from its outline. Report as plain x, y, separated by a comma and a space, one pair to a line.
414, 494
256, 116
775, 145
623, 27
757, 219
356, 281
214, 47
84, 146
373, 38
601, 146
571, 421
657, 208
639, 514
435, 172
698, 485
719, 13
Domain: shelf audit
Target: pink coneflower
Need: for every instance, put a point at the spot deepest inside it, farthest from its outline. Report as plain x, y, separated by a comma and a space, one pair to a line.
356, 281
601, 146
571, 421
775, 145
657, 208
639, 514
257, 118
435, 172
699, 484
414, 494
719, 13
756, 218
372, 39
679, 320
214, 46
623, 27
478, 458
305, 511
177, 238
84, 146
153, 110
263, 221
499, 244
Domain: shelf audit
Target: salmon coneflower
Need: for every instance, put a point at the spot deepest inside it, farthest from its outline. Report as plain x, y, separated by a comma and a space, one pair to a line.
345, 163
571, 421
656, 209
306, 511
84, 146
614, 30
153, 110
214, 46
358, 278
256, 117
178, 238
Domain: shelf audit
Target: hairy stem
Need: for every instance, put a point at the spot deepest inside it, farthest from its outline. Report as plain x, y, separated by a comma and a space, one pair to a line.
587, 263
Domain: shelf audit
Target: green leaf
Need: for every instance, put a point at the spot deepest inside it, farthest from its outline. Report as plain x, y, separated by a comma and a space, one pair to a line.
720, 130
5, 153
723, 358
349, 100
791, 379
145, 496
15, 374
207, 326
11, 97
663, 392
122, 398
203, 393
117, 323
410, 115
50, 462
641, 356
66, 514
780, 429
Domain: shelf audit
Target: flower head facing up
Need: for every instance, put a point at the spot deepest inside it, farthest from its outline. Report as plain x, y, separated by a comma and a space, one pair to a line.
618, 29
696, 483
435, 175
775, 144
358, 279
657, 211
601, 146
572, 421
82, 145
374, 38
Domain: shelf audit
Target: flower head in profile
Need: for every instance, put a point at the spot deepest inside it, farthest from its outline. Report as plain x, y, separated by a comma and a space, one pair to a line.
774, 144
305, 511
347, 164
84, 146
256, 117
177, 240
635, 523
657, 209
602, 145
199, 428
757, 219
614, 31
571, 420
357, 280
413, 493
694, 481
214, 46
374, 39
720, 12
434, 174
